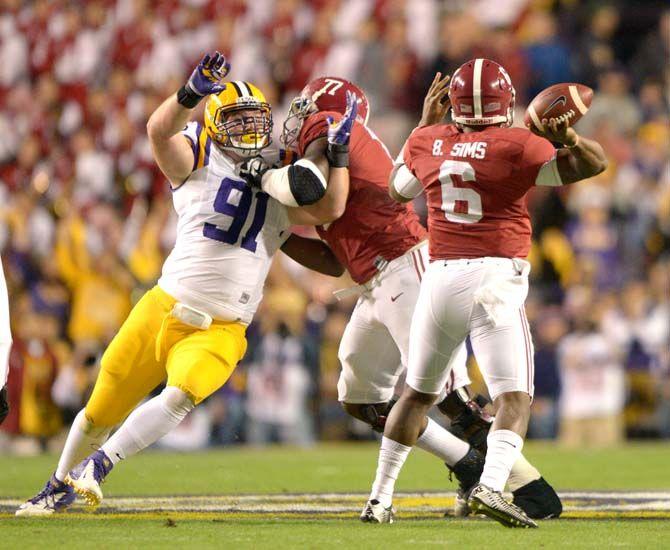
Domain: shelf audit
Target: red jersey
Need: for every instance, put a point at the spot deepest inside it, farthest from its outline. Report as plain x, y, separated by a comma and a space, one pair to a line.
476, 185
373, 225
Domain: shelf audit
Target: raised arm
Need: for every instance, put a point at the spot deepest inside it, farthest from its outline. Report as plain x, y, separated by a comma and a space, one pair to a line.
403, 185
172, 150
581, 158
313, 254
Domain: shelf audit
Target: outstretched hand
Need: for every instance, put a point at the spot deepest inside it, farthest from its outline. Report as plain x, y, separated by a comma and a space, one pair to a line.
340, 132
205, 78
436, 103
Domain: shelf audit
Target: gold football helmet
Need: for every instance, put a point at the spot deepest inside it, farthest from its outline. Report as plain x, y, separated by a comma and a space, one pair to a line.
239, 118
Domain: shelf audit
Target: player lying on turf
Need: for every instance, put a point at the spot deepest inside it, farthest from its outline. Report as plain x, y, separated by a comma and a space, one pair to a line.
384, 248
190, 328
476, 174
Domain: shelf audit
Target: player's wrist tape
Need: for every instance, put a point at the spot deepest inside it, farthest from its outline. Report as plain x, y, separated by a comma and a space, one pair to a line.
299, 184
337, 155
187, 97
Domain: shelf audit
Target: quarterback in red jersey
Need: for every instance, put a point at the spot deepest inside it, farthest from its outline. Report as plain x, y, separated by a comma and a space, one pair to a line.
384, 248
476, 174
383, 245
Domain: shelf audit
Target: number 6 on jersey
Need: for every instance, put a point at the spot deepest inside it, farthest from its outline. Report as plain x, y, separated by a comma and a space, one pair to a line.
460, 204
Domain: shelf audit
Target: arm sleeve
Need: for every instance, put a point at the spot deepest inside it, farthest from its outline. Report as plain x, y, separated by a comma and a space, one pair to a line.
405, 183
538, 163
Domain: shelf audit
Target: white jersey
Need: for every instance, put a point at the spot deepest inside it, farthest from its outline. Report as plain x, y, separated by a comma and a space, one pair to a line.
227, 233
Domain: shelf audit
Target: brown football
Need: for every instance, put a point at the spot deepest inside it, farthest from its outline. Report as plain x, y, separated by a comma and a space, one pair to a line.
567, 101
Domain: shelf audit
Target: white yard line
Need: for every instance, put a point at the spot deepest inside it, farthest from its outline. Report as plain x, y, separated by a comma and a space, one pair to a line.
593, 501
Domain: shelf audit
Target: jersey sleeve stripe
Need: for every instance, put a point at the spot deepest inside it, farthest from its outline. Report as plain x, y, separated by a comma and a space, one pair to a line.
208, 146
203, 150
196, 151
192, 143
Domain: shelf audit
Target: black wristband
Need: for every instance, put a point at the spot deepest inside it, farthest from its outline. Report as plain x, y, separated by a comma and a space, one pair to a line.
187, 97
337, 155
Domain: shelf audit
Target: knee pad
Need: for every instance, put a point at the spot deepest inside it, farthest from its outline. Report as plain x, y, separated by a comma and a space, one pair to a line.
469, 420
176, 402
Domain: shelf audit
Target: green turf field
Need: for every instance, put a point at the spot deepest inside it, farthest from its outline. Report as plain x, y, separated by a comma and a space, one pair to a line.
210, 509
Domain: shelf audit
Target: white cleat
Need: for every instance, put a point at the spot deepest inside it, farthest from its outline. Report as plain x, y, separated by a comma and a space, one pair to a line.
88, 475
55, 497
484, 500
374, 512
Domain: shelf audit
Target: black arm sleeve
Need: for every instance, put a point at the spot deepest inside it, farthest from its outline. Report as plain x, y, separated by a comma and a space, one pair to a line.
305, 185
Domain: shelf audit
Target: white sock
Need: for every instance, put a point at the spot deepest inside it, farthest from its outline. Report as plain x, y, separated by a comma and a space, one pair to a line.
441, 443
148, 423
504, 449
82, 440
392, 456
523, 472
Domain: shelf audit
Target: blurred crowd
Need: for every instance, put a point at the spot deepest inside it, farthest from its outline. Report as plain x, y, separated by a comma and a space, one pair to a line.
86, 218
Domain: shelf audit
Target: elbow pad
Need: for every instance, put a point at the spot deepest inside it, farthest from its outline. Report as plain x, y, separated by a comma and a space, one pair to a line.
299, 184
405, 183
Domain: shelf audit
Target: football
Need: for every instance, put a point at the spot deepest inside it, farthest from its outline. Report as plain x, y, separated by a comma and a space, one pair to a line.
567, 101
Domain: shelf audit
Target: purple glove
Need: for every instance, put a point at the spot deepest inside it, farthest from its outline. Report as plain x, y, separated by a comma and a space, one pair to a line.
338, 134
204, 79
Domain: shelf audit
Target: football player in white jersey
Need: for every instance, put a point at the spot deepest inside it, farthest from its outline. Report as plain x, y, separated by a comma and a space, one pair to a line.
189, 330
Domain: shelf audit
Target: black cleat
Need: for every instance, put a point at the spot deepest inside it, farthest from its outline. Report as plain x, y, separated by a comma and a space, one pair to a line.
538, 499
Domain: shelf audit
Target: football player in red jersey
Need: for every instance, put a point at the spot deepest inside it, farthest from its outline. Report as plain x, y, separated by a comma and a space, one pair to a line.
476, 174
383, 245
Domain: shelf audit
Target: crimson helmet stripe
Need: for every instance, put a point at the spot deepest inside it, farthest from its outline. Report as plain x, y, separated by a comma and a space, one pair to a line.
477, 87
